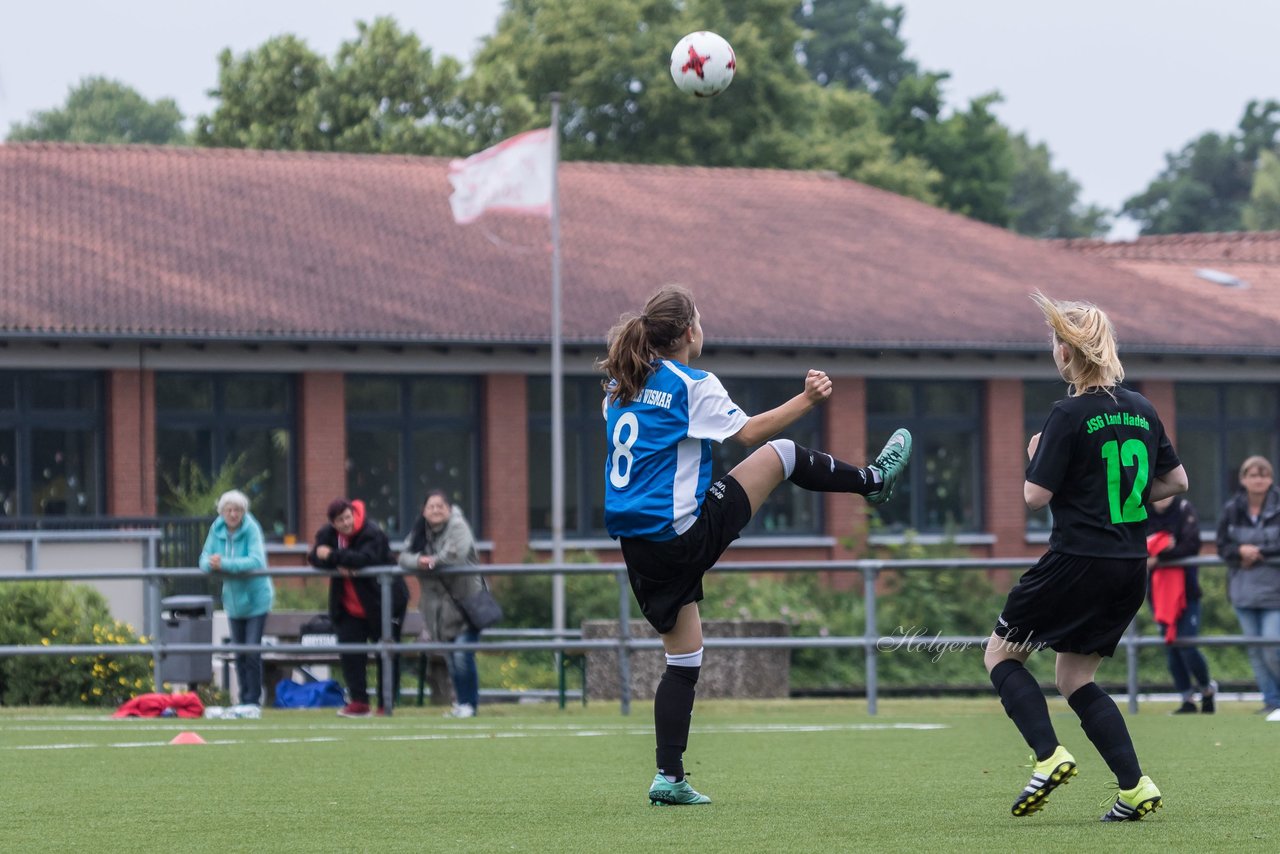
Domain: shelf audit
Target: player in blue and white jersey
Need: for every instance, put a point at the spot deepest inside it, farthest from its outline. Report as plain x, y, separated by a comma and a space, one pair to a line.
671, 520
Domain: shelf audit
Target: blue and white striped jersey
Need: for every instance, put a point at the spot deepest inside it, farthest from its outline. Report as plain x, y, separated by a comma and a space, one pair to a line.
659, 463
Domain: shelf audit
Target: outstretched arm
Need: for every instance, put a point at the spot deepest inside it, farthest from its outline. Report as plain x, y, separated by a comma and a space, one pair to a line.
759, 428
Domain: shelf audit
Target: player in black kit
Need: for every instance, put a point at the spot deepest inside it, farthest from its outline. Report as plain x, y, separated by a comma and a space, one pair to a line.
1100, 457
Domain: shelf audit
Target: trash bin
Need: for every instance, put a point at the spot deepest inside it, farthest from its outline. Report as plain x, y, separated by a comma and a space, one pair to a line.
186, 619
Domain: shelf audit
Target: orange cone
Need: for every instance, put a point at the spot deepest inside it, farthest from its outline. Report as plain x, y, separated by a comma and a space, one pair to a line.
187, 738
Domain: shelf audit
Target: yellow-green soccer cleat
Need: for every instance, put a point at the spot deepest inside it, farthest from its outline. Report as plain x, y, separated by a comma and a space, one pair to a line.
890, 462
1048, 775
664, 794
1133, 804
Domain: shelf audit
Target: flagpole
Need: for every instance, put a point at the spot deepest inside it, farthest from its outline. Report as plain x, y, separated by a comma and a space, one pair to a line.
557, 386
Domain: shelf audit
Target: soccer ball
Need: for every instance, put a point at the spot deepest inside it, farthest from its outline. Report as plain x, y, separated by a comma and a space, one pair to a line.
702, 64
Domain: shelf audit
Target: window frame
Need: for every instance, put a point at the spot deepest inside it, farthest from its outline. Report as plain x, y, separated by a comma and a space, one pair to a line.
1221, 425
404, 421
23, 419
881, 425
221, 421
584, 423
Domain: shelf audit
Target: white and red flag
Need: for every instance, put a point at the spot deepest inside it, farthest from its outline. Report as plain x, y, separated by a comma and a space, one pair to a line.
514, 175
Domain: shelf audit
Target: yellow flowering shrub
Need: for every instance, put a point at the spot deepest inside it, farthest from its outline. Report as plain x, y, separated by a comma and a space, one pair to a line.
55, 614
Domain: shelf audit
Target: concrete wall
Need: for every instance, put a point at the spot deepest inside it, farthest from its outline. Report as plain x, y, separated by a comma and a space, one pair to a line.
725, 672
124, 597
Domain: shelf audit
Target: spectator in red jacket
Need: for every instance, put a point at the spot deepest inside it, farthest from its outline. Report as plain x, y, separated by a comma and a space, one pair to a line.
350, 543
1176, 524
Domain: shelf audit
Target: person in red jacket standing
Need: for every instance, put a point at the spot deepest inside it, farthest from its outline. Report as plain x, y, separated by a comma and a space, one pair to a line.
350, 543
1173, 533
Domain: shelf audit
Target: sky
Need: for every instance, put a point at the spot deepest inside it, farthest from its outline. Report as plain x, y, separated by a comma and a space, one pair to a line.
1110, 86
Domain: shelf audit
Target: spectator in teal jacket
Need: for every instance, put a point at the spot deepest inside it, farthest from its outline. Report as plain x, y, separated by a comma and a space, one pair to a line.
234, 547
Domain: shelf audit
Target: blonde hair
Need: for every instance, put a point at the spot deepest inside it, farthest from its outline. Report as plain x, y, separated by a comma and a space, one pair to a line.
636, 339
1256, 462
1093, 360
233, 496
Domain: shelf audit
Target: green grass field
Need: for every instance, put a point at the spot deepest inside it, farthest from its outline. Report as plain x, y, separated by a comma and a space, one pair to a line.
791, 775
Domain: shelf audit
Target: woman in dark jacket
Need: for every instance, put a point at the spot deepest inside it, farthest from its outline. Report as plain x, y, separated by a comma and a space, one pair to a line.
1249, 543
350, 543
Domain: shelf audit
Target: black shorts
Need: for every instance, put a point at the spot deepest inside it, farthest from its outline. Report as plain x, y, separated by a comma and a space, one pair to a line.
1076, 604
667, 575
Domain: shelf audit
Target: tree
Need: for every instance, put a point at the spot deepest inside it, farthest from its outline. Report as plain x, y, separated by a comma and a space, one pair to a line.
970, 150
106, 111
1205, 186
1262, 213
382, 93
1202, 188
854, 43
267, 98
619, 103
1044, 202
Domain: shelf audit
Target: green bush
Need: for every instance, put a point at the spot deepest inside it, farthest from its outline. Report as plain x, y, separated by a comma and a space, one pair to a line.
526, 599
306, 594
526, 604
914, 608
49, 613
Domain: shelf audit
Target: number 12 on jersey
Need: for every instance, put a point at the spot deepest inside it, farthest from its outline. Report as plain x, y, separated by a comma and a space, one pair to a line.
1132, 454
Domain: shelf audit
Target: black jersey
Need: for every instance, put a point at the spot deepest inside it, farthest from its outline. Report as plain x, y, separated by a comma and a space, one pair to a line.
1098, 456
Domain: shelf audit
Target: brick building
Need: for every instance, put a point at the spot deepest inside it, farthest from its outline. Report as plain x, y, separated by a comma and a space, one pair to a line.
319, 322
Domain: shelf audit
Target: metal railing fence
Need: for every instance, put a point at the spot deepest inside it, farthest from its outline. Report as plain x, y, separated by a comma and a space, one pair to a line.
872, 642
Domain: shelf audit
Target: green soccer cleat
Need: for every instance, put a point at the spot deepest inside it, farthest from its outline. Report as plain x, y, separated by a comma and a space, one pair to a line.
664, 794
1133, 804
890, 462
1048, 775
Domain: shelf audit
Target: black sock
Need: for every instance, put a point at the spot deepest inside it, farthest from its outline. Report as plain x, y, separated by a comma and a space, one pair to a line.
672, 709
1025, 705
818, 471
1102, 722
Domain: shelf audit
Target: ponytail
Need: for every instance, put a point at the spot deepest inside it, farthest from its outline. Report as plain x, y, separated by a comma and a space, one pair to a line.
636, 340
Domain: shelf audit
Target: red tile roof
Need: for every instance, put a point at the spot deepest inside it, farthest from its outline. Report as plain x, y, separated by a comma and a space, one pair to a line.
206, 244
1210, 274
1237, 246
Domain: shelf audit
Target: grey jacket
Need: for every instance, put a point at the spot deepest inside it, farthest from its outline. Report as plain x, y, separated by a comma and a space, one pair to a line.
1258, 586
453, 545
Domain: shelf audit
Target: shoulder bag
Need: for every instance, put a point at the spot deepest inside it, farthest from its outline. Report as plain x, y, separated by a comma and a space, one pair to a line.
480, 609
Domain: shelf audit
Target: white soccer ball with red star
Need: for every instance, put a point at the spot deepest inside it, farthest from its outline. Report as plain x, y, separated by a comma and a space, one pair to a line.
702, 64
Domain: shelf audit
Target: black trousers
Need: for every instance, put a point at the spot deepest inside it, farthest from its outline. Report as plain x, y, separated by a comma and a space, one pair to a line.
351, 629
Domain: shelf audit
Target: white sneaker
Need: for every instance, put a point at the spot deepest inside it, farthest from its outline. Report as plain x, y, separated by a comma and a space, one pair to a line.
214, 713
247, 710
1274, 717
461, 710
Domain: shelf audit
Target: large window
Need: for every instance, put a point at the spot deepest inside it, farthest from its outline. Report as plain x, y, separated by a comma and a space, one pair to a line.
789, 510
942, 485
409, 435
1038, 397
1219, 425
584, 457
232, 430
50, 446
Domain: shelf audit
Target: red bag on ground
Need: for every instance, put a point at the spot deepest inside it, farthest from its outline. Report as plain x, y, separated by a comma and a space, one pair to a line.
184, 705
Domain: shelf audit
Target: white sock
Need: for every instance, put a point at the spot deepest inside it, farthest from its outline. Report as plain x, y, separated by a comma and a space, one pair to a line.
686, 659
786, 450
